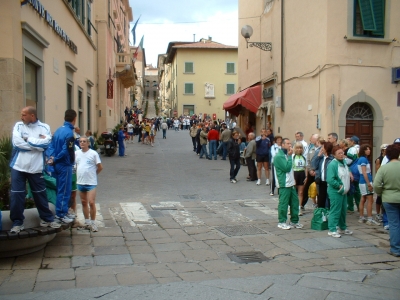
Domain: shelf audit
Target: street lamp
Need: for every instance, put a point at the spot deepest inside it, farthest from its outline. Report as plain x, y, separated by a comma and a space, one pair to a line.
247, 32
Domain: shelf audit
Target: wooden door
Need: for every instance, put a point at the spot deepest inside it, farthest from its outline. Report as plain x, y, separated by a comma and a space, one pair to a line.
363, 129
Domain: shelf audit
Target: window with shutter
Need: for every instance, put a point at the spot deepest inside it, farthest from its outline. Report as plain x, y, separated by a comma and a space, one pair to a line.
230, 88
188, 67
230, 68
189, 88
369, 18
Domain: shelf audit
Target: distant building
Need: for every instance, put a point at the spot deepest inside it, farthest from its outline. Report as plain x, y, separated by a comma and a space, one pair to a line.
151, 83
337, 67
197, 78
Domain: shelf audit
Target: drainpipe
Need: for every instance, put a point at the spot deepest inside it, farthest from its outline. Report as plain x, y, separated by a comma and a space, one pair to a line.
282, 58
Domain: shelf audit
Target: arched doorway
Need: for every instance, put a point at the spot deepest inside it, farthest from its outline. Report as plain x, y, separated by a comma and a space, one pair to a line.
377, 121
359, 122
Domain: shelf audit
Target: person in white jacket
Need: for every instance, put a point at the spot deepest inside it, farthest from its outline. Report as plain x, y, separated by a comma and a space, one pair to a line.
30, 139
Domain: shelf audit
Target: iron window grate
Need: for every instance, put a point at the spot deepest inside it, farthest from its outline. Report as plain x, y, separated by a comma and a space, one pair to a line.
248, 257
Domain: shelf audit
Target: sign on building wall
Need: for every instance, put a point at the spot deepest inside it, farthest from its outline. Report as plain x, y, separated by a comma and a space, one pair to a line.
209, 90
110, 86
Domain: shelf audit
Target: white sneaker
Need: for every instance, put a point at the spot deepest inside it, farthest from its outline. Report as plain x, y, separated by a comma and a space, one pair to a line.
93, 227
334, 234
49, 224
64, 219
372, 222
233, 181
283, 226
267, 182
258, 182
300, 211
296, 225
17, 229
346, 231
70, 216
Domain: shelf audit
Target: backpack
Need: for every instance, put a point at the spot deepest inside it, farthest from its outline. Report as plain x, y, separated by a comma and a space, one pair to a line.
354, 170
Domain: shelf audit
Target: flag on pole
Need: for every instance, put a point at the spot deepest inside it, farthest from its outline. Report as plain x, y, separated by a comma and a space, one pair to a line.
134, 31
138, 49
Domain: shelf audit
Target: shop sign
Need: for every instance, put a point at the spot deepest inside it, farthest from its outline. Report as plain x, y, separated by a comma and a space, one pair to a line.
36, 5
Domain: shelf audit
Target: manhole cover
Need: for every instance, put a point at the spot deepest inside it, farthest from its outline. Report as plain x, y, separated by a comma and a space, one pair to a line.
190, 197
240, 230
248, 257
251, 204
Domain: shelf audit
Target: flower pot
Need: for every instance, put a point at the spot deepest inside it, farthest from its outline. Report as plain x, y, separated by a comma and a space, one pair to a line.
10, 248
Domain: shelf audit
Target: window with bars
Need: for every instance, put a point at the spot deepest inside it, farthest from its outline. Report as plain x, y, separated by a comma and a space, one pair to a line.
189, 67
230, 88
189, 88
230, 68
369, 18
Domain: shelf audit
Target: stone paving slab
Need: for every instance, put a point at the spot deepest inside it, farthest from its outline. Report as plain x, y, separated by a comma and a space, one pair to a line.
82, 261
111, 260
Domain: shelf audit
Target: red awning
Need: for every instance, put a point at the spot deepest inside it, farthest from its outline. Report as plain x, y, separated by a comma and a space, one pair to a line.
249, 98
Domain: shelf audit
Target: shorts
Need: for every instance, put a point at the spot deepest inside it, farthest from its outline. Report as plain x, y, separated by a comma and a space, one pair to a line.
299, 177
364, 189
262, 158
146, 134
86, 187
73, 188
130, 133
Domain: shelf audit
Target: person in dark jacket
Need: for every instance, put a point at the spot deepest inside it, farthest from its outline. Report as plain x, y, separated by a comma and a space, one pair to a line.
121, 138
324, 158
233, 149
263, 146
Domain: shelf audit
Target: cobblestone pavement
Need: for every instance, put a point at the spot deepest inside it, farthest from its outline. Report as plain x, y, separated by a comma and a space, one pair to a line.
167, 222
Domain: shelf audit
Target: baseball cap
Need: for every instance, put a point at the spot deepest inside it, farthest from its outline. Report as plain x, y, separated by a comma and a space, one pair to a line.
396, 141
384, 146
355, 139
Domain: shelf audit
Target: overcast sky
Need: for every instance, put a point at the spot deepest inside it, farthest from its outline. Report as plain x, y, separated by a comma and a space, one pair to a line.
164, 21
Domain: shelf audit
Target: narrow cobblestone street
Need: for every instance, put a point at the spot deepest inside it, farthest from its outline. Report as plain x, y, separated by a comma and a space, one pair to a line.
167, 222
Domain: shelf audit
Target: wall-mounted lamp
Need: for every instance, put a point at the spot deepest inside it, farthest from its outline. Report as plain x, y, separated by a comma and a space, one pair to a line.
247, 32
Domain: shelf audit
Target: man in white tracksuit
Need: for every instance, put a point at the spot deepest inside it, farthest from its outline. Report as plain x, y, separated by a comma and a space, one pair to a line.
30, 139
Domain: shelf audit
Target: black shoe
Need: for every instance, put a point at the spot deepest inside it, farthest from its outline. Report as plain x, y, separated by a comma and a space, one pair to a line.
223, 158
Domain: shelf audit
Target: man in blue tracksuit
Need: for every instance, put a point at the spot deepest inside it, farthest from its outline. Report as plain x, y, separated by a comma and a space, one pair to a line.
63, 155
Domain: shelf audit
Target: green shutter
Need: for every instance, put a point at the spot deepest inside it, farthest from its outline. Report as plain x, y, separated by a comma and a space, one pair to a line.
230, 89
367, 15
188, 88
188, 67
379, 15
230, 68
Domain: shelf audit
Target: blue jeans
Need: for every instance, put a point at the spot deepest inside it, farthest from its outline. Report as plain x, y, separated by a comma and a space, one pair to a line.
63, 175
176, 128
224, 149
393, 214
212, 147
203, 151
17, 203
164, 133
121, 148
235, 166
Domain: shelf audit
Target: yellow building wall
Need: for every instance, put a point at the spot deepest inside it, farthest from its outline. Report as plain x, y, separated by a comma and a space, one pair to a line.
209, 67
55, 58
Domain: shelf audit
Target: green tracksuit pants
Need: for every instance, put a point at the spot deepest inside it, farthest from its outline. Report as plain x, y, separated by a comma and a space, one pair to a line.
356, 196
337, 212
288, 196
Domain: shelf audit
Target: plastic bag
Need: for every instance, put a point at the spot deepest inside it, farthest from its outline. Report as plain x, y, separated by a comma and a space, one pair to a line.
320, 219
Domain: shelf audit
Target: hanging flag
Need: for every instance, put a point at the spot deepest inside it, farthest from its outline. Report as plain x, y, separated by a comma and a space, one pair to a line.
134, 31
138, 50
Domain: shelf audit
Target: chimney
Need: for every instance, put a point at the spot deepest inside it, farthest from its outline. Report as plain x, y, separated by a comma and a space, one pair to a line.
209, 38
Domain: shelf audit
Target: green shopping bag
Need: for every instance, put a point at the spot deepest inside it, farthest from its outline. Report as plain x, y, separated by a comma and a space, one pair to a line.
320, 219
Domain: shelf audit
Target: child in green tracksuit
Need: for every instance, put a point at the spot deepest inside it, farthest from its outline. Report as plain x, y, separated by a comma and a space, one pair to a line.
286, 184
338, 179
